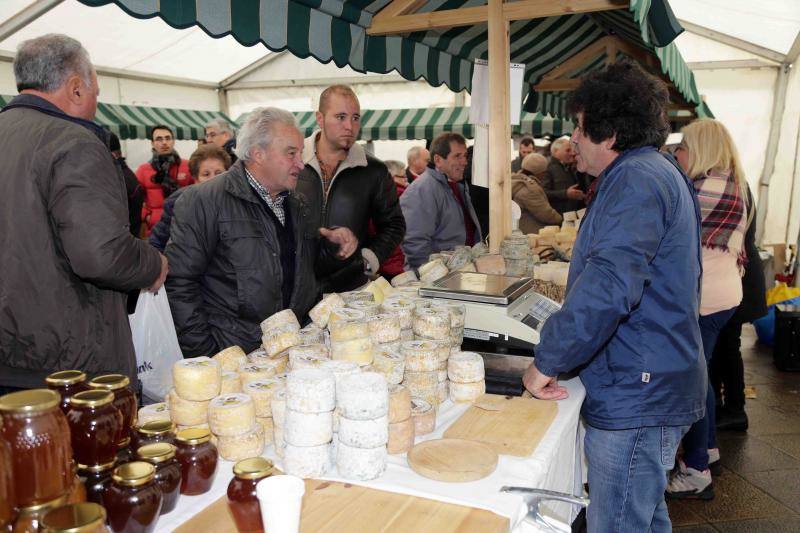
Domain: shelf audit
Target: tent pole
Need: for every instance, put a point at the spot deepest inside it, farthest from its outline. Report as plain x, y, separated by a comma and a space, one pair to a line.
26, 16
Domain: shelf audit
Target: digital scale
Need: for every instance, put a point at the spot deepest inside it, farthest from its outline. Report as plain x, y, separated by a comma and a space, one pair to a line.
504, 315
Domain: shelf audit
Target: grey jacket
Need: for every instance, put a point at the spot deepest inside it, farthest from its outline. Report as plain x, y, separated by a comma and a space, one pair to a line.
67, 253
434, 219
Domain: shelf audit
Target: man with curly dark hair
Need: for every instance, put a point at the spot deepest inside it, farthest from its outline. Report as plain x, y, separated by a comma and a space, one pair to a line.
629, 320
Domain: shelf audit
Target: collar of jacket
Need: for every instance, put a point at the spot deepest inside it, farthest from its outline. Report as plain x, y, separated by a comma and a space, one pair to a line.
523, 177
440, 176
238, 186
356, 155
31, 101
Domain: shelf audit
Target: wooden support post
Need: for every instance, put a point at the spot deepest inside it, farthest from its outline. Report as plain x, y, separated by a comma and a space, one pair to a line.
499, 127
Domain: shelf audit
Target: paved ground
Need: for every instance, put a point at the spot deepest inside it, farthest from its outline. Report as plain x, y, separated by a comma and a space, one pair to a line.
759, 490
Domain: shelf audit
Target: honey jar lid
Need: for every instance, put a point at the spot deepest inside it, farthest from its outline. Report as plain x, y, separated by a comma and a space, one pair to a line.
92, 398
193, 435
156, 427
73, 518
253, 468
29, 401
134, 474
66, 377
156, 453
110, 382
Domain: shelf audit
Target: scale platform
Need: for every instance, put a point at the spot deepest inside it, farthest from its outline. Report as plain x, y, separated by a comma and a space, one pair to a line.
475, 287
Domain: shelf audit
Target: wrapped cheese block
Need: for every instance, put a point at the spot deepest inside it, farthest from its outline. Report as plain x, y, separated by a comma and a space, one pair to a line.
307, 461
360, 463
186, 412
197, 379
423, 415
402, 307
384, 327
279, 320
312, 334
268, 427
364, 433
370, 308
231, 414
321, 312
390, 365
401, 436
403, 278
465, 367
357, 296
256, 372
262, 391
420, 356
399, 403
363, 396
431, 323
357, 350
311, 390
308, 429
230, 383
467, 392
153, 413
346, 330
231, 358
279, 339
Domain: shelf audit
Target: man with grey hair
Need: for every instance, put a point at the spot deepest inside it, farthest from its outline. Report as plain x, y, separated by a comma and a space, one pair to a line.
68, 256
241, 245
560, 182
221, 133
417, 158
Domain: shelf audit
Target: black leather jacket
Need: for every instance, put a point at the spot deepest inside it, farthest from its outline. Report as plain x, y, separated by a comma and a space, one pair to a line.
362, 191
225, 271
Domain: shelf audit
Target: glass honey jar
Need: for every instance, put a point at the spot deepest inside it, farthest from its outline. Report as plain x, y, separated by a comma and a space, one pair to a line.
242, 500
75, 518
198, 458
133, 500
153, 432
94, 425
124, 400
67, 383
168, 471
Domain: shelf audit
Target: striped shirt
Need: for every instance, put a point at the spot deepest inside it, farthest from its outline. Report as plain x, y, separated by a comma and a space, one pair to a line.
275, 204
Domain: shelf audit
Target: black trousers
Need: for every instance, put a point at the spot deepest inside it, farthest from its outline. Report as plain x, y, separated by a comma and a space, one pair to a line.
726, 369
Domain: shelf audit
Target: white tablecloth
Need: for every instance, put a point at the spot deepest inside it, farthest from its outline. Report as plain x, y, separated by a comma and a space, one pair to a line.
552, 466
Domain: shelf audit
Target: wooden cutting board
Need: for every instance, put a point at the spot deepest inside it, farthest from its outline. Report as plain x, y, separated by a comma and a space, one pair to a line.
330, 507
454, 460
510, 425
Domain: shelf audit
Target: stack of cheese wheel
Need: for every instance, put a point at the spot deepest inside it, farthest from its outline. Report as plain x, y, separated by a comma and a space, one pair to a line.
307, 356
340, 370
404, 278
431, 322
389, 362
384, 328
195, 382
262, 391
232, 420
308, 426
432, 270
466, 373
155, 412
280, 332
363, 400
458, 312
403, 308
312, 334
368, 307
401, 425
320, 313
278, 408
421, 363
350, 340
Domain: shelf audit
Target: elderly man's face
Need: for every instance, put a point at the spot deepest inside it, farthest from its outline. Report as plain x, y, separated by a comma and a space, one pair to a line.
219, 138
341, 121
163, 142
591, 157
281, 162
419, 165
454, 164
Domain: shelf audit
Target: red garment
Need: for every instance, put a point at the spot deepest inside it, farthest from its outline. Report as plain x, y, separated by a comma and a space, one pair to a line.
469, 225
394, 263
154, 194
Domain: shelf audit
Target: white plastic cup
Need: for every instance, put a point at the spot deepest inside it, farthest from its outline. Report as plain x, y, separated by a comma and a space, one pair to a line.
281, 499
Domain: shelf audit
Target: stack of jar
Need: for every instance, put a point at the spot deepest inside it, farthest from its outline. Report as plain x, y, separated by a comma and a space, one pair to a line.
232, 421
308, 421
349, 336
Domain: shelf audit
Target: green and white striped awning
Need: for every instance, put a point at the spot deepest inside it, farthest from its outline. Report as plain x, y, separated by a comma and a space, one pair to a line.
136, 122
427, 123
336, 30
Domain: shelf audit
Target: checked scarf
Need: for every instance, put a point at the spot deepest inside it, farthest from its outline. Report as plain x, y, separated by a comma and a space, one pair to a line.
723, 213
162, 165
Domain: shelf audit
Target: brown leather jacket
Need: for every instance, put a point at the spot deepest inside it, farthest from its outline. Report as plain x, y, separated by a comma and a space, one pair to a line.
536, 210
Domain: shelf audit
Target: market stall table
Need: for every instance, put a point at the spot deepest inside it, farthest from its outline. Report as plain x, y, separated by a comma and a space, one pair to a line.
554, 465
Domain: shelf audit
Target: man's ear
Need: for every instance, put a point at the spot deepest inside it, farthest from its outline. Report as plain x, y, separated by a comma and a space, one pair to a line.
320, 118
75, 90
610, 142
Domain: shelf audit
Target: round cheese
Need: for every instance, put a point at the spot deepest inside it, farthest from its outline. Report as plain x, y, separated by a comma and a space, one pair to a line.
360, 463
231, 414
399, 403
375, 290
457, 336
231, 358
186, 412
465, 367
346, 330
432, 270
256, 372
316, 350
369, 308
197, 379
278, 362
277, 340
340, 369
431, 323
384, 327
321, 312
358, 350
467, 392
406, 335
391, 365
230, 383
357, 296
363, 396
153, 412
306, 361
279, 320
457, 311
308, 429
364, 433
443, 391
387, 348
269, 429
306, 461
278, 405
262, 391
401, 436
421, 381
423, 415
311, 390
312, 334
403, 278
238, 447
420, 356
345, 313
401, 307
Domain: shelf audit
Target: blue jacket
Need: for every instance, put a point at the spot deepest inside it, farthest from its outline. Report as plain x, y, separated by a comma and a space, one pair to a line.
160, 233
629, 321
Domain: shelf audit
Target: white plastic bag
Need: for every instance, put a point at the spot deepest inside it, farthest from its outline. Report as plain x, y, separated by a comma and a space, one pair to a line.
155, 343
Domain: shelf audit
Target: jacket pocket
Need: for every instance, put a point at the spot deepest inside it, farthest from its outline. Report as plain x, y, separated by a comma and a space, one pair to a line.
244, 242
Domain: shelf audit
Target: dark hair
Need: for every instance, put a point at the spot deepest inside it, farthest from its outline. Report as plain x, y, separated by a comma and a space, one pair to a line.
624, 100
441, 144
160, 127
526, 141
207, 151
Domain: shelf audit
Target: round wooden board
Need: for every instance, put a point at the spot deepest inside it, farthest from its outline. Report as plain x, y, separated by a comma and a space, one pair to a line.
454, 460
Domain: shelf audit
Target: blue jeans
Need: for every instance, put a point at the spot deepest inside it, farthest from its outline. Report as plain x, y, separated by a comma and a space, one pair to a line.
627, 477
702, 436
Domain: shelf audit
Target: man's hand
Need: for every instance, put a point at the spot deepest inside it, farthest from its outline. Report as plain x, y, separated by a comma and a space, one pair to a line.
347, 241
574, 193
162, 276
541, 386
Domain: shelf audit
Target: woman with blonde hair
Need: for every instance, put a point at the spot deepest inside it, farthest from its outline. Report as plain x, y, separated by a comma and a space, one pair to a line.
710, 159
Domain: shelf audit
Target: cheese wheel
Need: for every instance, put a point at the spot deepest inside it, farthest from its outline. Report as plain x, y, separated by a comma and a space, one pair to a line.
423, 415
442, 352
357, 296
230, 383
431, 323
306, 461
197, 379
321, 312
279, 320
340, 369
278, 440
384, 327
457, 337
420, 356
419, 381
311, 390
278, 362
386, 348
364, 433
403, 278
456, 310
385, 287
390, 365
363, 396
195, 426
360, 463
401, 436
401, 307
238, 447
256, 372
231, 414
432, 270
186, 412
268, 427
358, 350
277, 340
153, 412
317, 350
278, 405
443, 391
370, 308
312, 334
346, 313
346, 330
399, 403
262, 391
308, 429
230, 358
467, 392
465, 367
406, 335
306, 361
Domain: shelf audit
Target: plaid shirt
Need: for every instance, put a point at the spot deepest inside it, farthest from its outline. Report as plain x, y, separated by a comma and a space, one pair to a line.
275, 204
